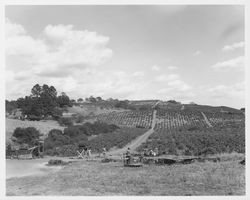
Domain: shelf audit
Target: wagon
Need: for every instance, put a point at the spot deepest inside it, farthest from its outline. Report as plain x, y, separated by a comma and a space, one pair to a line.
131, 162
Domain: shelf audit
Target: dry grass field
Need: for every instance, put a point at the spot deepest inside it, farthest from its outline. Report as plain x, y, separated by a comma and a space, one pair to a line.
95, 178
91, 109
43, 126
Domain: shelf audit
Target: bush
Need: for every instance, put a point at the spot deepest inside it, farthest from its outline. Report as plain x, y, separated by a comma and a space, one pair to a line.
119, 138
57, 114
75, 134
66, 121
34, 118
59, 143
55, 138
79, 118
193, 128
28, 135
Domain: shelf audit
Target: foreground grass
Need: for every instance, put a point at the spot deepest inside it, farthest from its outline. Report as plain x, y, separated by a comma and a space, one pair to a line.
95, 178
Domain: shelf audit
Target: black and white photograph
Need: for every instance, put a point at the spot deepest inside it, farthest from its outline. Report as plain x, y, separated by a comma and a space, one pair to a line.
124, 100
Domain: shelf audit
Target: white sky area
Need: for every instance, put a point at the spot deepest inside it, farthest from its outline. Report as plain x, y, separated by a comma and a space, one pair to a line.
186, 53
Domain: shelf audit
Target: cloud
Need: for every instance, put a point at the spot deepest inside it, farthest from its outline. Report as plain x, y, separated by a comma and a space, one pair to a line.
233, 28
171, 68
59, 47
233, 46
227, 91
174, 87
138, 74
155, 68
236, 63
170, 9
12, 29
61, 55
197, 53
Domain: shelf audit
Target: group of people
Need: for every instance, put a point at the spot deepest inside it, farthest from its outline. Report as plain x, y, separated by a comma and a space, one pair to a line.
85, 152
151, 152
127, 155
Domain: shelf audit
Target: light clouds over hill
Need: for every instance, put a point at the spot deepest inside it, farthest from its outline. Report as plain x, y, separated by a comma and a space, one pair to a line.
167, 53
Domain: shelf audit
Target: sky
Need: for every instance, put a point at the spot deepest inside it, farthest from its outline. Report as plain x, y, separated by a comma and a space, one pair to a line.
191, 53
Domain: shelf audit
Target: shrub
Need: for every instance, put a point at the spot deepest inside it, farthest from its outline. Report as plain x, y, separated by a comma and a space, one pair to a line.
79, 118
207, 151
28, 135
119, 138
57, 113
55, 138
65, 121
193, 128
75, 134
34, 117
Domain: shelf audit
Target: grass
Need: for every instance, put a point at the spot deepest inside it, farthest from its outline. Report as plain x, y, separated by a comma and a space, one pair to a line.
96, 178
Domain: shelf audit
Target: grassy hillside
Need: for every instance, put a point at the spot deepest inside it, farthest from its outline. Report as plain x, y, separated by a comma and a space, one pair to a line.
91, 109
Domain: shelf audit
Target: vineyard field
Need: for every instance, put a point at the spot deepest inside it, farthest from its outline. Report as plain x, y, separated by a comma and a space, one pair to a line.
171, 120
218, 118
227, 138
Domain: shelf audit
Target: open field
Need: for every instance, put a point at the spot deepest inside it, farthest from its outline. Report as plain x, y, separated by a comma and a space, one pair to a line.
43, 126
95, 178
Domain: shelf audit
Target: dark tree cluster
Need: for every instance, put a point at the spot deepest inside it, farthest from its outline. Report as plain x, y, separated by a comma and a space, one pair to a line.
27, 136
43, 101
75, 135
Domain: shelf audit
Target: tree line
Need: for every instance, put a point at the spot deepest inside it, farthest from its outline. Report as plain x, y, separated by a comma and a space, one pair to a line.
42, 102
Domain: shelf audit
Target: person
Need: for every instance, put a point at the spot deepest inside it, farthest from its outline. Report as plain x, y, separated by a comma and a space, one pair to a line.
104, 151
128, 156
141, 156
88, 153
85, 151
156, 151
151, 152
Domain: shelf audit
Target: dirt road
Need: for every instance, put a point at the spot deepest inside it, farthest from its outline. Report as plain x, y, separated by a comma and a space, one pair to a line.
138, 141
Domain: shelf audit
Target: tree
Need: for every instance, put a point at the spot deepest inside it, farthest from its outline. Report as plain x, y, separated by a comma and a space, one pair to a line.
36, 91
99, 99
63, 100
122, 104
72, 101
41, 102
80, 100
28, 135
55, 138
92, 99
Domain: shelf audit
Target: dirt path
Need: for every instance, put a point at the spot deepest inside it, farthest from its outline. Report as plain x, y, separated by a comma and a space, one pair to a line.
138, 141
206, 120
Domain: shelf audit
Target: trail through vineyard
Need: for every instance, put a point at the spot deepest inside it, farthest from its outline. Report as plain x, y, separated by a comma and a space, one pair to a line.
206, 120
138, 141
